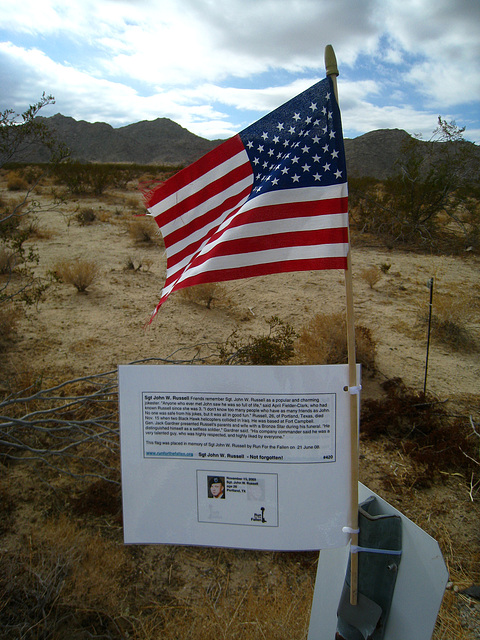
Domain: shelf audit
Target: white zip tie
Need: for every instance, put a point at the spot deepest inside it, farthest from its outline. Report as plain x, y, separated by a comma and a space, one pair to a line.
350, 530
392, 552
355, 390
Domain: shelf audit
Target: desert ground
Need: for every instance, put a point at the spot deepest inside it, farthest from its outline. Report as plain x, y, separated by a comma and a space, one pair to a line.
61, 539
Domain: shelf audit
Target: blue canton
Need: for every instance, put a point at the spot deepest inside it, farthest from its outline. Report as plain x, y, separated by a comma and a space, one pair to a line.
300, 144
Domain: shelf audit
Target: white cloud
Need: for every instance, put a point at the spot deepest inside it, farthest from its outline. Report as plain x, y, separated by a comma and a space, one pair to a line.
209, 68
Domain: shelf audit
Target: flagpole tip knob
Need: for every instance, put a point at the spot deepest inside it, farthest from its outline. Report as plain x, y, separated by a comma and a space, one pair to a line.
330, 61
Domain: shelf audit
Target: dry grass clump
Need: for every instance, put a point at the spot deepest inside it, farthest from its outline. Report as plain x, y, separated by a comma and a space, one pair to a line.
9, 316
52, 587
371, 276
258, 612
449, 322
7, 260
144, 230
205, 294
85, 216
80, 273
16, 182
323, 340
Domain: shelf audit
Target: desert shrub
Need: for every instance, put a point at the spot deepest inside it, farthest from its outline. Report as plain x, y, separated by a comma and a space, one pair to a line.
80, 273
371, 276
85, 216
16, 182
449, 323
274, 347
204, 294
323, 340
9, 316
81, 178
7, 259
421, 427
143, 230
428, 202
16, 257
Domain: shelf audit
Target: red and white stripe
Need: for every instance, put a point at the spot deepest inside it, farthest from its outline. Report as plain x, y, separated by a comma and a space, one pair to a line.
214, 233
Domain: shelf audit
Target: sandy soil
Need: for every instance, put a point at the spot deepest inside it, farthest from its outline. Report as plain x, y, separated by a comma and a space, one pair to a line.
72, 333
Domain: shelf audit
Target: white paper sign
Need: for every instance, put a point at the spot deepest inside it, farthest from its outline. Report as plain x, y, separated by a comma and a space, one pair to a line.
245, 457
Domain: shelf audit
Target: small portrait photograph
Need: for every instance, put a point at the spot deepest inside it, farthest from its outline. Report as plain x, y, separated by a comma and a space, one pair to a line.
216, 486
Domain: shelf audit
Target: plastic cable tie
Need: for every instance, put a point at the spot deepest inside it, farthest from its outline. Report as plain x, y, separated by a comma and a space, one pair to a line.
355, 390
390, 552
350, 530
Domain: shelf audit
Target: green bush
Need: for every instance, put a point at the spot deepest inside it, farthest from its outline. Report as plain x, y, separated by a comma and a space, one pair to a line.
275, 347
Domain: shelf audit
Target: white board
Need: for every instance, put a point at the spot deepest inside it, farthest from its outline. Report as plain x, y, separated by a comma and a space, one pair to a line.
274, 440
421, 581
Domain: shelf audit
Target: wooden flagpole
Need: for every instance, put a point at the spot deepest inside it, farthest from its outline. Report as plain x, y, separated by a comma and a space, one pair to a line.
332, 70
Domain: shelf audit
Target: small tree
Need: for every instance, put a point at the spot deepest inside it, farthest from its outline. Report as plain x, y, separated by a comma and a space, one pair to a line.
432, 190
20, 136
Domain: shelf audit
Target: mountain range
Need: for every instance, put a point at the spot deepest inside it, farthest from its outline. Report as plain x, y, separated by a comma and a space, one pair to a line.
163, 141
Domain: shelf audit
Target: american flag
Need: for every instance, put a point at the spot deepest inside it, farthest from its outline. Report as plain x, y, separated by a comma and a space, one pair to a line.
272, 199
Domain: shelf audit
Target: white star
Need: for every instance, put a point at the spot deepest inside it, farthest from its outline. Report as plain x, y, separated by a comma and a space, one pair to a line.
264, 135
325, 129
285, 170
295, 178
276, 139
291, 130
306, 167
334, 154
274, 182
308, 120
327, 96
316, 139
330, 114
270, 152
332, 134
296, 116
338, 174
249, 144
279, 155
295, 159
324, 111
325, 148
316, 158
286, 143
313, 106
316, 123
260, 148
256, 161
317, 177
280, 126
326, 167
265, 164
305, 149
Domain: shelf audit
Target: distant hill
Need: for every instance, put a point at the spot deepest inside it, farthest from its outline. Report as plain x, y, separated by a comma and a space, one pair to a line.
375, 154
163, 141
148, 142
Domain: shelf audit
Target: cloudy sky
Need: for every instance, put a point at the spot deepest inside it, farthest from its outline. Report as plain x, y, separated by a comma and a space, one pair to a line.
215, 66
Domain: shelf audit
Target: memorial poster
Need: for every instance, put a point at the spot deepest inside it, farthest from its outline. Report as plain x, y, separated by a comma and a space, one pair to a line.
250, 457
